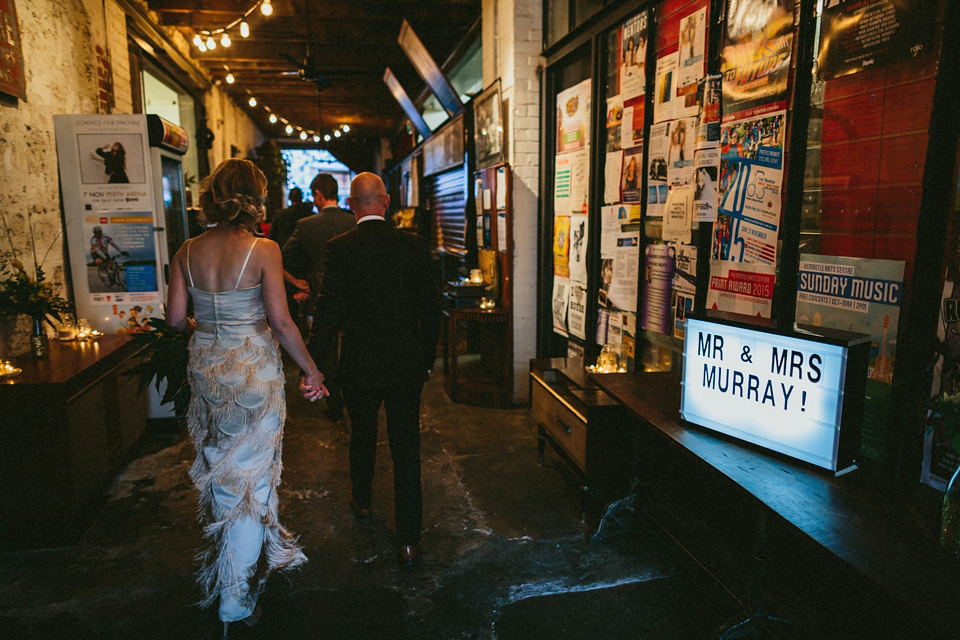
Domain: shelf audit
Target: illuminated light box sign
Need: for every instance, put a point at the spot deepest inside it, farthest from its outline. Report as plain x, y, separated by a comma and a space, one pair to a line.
788, 393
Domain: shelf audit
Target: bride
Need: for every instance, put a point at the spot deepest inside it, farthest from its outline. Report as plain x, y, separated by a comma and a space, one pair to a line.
237, 408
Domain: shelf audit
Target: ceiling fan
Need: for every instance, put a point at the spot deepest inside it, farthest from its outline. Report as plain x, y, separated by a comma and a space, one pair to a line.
306, 69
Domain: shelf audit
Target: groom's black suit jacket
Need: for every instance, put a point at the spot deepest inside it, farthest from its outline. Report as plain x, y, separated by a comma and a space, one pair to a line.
381, 287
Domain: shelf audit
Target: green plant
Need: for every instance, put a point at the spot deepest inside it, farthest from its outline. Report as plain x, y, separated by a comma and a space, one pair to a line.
166, 356
21, 294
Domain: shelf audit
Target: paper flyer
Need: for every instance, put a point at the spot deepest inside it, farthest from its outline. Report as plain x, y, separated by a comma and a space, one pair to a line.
614, 123
561, 246
606, 279
684, 287
578, 250
676, 215
633, 56
628, 333
626, 268
664, 98
690, 67
573, 117
862, 295
631, 131
579, 181
940, 460
615, 328
561, 299
611, 218
657, 187
680, 151
749, 195
708, 124
501, 188
755, 57
612, 170
741, 288
577, 312
706, 167
562, 183
603, 320
631, 182
658, 279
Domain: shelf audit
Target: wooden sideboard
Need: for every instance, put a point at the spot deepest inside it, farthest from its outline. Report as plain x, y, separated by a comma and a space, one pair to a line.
68, 423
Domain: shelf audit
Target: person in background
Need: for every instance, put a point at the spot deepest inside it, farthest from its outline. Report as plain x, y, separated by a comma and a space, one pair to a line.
286, 220
381, 288
303, 257
237, 406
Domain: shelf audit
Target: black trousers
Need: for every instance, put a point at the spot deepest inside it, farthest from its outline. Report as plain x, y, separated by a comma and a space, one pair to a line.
401, 404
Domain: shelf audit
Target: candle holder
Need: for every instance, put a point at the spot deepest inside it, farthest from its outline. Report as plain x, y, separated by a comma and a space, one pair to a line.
8, 370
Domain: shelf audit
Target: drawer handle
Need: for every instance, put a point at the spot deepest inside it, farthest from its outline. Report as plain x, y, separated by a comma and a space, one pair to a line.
563, 425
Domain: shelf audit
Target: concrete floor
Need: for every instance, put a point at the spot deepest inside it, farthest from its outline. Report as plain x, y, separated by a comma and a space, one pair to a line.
505, 555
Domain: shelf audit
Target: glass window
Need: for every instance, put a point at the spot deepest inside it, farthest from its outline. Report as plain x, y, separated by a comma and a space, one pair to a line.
558, 20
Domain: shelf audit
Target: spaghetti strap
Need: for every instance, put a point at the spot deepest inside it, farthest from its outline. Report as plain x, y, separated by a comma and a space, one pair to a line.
189, 273
244, 267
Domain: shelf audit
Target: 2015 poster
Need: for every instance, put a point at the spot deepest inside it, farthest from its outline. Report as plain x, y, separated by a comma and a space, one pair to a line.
741, 288
755, 60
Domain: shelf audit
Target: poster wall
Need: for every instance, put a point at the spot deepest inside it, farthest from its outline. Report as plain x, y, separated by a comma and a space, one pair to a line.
108, 202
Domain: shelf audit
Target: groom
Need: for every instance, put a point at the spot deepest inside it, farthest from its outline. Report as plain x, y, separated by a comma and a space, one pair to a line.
381, 287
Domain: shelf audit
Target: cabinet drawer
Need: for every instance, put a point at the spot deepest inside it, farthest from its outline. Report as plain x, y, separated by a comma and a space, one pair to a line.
565, 427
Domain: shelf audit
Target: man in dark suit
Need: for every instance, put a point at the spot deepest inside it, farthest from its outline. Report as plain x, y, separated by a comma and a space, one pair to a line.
381, 287
283, 224
303, 257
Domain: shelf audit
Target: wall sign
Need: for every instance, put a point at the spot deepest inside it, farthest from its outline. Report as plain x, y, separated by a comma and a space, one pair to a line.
780, 392
11, 56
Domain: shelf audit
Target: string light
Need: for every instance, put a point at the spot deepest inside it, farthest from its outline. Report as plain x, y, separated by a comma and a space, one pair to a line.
273, 118
289, 129
244, 29
225, 40
346, 128
197, 40
337, 133
253, 102
211, 43
303, 135
230, 79
316, 138
327, 137
266, 8
203, 39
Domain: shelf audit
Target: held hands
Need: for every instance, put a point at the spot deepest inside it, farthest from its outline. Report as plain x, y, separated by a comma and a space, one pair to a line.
303, 289
311, 386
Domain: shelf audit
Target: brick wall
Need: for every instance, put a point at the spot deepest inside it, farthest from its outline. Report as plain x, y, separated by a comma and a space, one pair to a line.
511, 51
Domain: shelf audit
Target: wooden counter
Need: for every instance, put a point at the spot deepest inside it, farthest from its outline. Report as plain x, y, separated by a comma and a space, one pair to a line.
68, 423
876, 528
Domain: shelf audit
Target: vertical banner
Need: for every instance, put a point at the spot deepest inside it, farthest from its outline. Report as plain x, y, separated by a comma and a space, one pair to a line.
108, 206
658, 279
561, 246
755, 60
633, 48
751, 172
573, 117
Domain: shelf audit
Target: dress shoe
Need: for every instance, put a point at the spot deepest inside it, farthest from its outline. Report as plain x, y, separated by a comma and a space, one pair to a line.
409, 555
362, 512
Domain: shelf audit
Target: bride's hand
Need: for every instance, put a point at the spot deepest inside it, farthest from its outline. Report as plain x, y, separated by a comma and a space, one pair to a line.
311, 386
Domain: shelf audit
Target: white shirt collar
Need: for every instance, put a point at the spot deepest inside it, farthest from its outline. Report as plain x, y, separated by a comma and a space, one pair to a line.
370, 217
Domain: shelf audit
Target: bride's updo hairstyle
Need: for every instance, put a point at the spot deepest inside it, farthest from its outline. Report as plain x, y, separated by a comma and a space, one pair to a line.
234, 193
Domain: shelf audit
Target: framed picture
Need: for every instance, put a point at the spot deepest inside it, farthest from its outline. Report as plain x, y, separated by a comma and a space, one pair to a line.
488, 126
11, 57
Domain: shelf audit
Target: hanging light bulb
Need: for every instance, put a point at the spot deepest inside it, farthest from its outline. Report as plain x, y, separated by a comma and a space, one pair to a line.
273, 118
225, 40
289, 129
337, 133
252, 101
230, 79
316, 138
327, 137
197, 40
346, 128
211, 43
303, 135
202, 46
266, 8
244, 29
